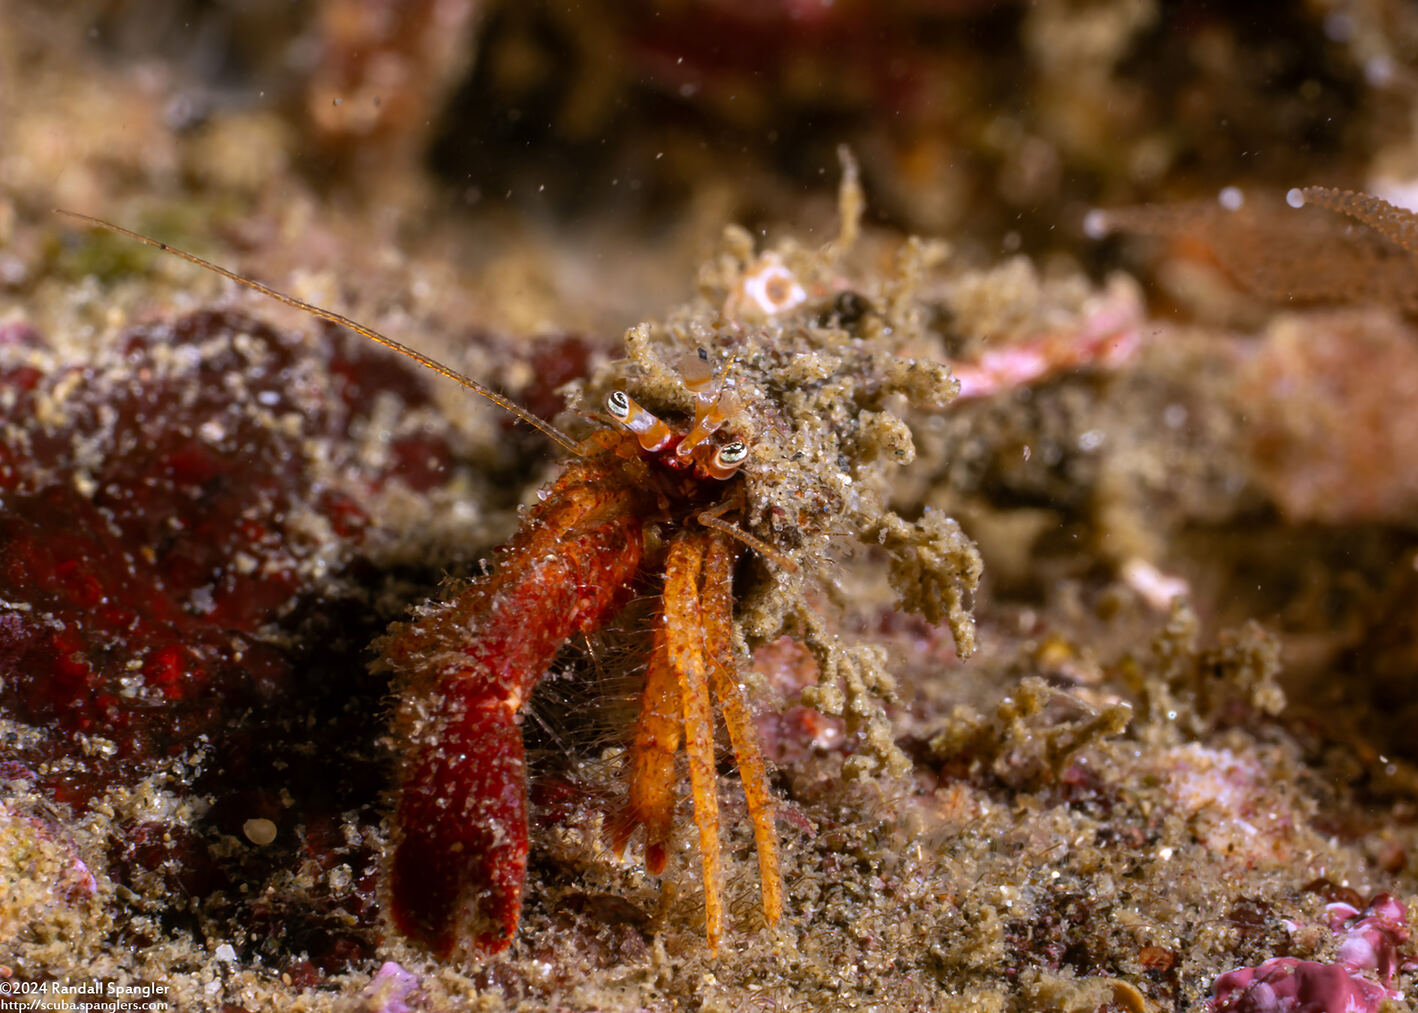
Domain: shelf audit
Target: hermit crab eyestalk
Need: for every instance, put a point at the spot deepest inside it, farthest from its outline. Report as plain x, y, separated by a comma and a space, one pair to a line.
726, 459
710, 413
652, 434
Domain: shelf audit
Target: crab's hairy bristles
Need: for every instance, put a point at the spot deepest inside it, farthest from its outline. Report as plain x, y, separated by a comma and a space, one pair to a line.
556, 435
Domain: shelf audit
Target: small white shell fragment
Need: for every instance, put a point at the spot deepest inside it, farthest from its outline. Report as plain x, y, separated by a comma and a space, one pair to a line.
259, 831
766, 289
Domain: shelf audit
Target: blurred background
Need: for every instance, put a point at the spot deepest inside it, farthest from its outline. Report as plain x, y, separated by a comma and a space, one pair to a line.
998, 123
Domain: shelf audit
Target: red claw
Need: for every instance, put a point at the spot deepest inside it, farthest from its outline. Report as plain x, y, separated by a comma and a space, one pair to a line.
459, 867
469, 664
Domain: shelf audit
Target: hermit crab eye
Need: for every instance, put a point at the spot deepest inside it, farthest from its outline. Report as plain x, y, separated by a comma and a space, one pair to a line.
723, 462
732, 453
652, 434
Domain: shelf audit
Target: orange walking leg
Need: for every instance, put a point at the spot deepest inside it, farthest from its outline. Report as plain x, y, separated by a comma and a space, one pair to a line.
684, 644
694, 651
716, 609
652, 764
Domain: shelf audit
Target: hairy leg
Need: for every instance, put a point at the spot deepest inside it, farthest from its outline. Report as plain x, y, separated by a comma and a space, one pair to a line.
694, 651
716, 604
652, 765
684, 645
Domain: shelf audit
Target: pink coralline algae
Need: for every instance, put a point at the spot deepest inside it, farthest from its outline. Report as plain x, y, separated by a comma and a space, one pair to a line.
1106, 338
390, 991
1370, 944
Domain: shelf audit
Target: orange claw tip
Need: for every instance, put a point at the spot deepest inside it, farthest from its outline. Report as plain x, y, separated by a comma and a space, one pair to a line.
621, 832
656, 854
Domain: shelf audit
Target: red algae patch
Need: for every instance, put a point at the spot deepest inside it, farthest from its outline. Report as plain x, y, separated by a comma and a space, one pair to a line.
161, 510
185, 581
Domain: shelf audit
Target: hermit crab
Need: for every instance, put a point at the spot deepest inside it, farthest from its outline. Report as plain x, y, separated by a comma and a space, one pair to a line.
726, 454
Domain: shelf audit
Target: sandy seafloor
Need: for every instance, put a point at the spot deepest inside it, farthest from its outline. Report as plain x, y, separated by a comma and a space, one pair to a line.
1186, 463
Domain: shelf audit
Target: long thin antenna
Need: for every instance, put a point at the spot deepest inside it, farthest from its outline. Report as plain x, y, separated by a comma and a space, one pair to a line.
550, 430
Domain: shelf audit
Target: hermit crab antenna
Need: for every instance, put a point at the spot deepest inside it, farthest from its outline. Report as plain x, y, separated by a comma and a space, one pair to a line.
506, 404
